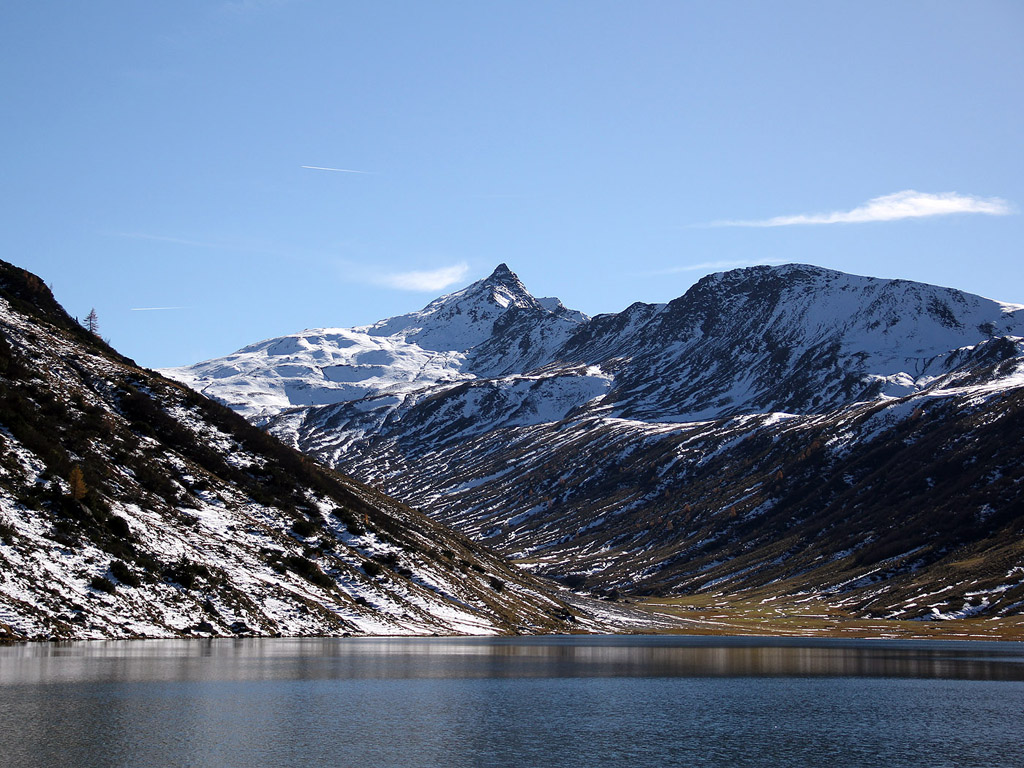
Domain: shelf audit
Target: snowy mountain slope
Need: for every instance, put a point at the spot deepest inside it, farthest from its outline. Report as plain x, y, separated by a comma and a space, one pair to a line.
319, 367
874, 502
793, 338
492, 327
585, 464
789, 339
132, 507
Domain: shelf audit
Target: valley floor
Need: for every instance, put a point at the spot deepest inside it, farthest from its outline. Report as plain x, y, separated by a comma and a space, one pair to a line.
672, 617
812, 617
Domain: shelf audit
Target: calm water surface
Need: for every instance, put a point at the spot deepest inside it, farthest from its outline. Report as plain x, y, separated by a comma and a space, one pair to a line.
580, 701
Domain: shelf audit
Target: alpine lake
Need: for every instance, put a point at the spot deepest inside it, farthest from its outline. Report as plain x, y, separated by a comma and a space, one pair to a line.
562, 701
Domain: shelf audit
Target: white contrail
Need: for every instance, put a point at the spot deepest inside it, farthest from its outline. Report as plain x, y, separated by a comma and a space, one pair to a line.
336, 170
155, 309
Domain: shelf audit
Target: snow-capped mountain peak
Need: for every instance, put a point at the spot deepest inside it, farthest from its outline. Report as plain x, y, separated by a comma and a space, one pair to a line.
461, 320
791, 338
492, 326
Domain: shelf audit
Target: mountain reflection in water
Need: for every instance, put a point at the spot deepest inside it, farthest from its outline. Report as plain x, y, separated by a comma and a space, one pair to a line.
558, 656
570, 702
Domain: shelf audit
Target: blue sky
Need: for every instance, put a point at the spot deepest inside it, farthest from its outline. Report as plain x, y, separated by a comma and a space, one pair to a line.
164, 162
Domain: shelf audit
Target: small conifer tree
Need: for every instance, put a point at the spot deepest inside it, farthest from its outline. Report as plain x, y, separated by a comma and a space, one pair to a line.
77, 481
92, 322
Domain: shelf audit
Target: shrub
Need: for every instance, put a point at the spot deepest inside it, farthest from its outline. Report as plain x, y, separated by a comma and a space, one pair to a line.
186, 573
497, 584
103, 584
304, 527
147, 562
574, 580
371, 568
390, 559
65, 533
350, 521
124, 574
308, 570
153, 478
119, 527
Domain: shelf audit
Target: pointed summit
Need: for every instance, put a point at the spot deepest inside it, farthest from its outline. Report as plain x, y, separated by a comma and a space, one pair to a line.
496, 292
503, 288
501, 273
465, 318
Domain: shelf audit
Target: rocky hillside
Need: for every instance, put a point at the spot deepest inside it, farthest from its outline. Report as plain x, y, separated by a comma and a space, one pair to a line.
131, 506
775, 429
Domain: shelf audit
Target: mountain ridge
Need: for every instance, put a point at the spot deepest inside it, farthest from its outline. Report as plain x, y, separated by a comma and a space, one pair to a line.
906, 330
642, 451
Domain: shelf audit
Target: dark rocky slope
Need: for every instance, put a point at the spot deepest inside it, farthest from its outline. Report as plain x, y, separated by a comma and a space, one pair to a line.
130, 506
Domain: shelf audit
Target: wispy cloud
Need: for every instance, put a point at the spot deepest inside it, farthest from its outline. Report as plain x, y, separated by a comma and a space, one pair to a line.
502, 196
714, 266
226, 244
336, 170
164, 239
428, 280
251, 6
908, 204
155, 309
